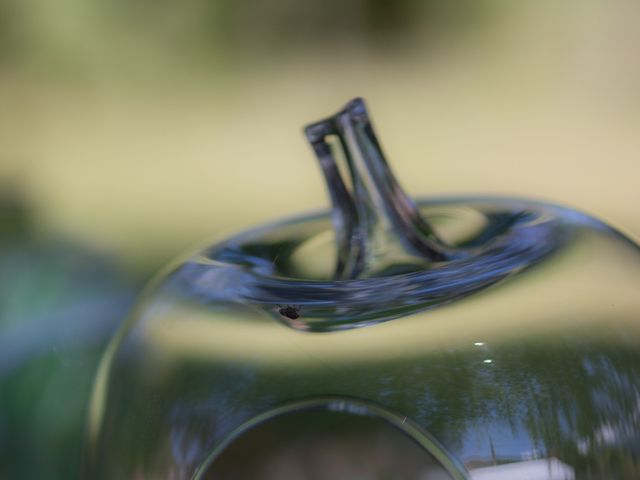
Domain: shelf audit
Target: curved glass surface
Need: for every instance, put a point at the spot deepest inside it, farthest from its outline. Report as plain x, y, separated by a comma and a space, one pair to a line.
330, 439
507, 329
538, 368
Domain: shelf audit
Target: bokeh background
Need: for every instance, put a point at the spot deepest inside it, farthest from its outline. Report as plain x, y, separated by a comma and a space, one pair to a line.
132, 130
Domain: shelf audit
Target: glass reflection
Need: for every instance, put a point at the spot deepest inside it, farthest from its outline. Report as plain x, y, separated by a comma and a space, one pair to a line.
561, 389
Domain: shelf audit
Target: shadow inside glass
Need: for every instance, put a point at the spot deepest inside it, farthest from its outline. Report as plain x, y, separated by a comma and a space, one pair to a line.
325, 445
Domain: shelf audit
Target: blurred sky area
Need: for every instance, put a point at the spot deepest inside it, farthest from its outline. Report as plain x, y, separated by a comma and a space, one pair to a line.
143, 127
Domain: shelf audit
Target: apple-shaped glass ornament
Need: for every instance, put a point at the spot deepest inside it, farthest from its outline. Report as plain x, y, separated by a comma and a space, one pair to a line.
455, 338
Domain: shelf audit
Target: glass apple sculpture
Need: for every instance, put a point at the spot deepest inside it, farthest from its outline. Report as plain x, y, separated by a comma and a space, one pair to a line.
456, 338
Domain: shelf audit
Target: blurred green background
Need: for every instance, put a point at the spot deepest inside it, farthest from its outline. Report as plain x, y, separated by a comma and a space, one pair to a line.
131, 130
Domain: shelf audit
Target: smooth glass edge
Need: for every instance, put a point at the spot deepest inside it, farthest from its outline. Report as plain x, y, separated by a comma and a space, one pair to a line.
356, 407
576, 215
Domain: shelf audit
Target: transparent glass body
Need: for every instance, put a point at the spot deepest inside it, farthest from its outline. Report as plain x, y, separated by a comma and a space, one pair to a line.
501, 337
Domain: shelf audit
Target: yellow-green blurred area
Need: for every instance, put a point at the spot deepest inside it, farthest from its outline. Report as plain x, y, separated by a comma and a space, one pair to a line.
131, 130
143, 127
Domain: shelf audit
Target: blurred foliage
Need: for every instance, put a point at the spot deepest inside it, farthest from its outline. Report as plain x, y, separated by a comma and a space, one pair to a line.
42, 409
67, 30
59, 303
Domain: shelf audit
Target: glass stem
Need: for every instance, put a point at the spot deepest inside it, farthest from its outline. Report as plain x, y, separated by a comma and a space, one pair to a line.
377, 224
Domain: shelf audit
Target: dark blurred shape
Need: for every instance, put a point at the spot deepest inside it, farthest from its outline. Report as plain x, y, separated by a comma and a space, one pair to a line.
222, 29
289, 25
13, 225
